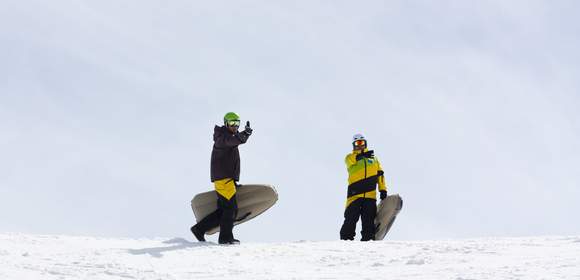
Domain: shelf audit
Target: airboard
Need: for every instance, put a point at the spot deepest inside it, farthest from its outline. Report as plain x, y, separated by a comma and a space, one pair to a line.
253, 200
387, 211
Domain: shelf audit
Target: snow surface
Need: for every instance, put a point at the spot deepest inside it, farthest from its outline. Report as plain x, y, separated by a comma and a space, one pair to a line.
24, 256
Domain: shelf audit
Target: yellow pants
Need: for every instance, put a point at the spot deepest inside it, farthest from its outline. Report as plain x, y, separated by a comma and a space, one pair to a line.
225, 187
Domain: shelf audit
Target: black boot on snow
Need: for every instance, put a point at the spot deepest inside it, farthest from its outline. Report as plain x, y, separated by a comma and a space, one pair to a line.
232, 241
198, 234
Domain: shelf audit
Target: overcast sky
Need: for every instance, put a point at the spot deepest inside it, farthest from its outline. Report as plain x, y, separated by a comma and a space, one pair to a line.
107, 111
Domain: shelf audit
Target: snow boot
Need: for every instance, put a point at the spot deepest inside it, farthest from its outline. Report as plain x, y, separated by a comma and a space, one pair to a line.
232, 241
198, 234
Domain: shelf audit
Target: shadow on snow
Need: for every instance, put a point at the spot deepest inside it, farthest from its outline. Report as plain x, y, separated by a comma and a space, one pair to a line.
175, 244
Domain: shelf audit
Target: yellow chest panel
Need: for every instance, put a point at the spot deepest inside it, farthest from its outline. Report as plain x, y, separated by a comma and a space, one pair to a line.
362, 169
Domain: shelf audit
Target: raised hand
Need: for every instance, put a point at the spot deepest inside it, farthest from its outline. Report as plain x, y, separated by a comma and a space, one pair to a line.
367, 154
248, 130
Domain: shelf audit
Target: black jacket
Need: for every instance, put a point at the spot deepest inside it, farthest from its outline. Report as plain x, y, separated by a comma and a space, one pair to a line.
225, 156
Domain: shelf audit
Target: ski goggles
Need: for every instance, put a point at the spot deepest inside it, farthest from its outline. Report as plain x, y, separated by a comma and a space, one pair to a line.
359, 143
233, 123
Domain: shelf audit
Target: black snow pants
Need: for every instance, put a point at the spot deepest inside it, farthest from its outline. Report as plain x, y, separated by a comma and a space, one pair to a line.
366, 208
223, 217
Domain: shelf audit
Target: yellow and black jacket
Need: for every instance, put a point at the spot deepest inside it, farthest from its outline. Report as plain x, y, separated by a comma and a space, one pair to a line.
364, 174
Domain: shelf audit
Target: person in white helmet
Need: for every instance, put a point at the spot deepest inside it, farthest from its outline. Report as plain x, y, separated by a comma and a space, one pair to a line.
364, 174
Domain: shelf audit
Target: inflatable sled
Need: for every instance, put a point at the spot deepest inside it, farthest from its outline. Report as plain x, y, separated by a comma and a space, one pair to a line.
387, 211
253, 200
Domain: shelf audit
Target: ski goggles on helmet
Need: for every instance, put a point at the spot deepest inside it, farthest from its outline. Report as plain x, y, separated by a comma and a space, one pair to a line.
359, 143
233, 123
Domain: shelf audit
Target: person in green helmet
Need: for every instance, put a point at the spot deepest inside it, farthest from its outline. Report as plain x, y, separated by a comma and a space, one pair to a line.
225, 173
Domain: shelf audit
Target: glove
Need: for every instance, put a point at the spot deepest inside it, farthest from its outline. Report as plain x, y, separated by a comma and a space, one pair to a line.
367, 154
248, 130
383, 195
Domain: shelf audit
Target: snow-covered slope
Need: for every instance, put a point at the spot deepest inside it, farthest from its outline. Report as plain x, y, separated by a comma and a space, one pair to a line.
71, 257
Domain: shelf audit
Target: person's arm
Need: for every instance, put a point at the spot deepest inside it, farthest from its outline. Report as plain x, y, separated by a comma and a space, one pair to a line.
367, 154
244, 135
350, 160
381, 181
228, 140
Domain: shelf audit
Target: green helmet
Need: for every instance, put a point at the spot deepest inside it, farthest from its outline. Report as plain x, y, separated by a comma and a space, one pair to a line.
232, 117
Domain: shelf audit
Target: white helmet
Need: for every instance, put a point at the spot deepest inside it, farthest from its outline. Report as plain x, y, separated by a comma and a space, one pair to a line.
357, 137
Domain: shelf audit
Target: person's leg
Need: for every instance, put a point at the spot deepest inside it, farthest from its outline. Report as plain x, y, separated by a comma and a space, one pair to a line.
368, 214
229, 208
351, 214
226, 189
210, 221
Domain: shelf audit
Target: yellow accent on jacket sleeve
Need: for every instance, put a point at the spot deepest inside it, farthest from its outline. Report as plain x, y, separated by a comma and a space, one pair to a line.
381, 179
350, 160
